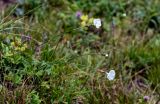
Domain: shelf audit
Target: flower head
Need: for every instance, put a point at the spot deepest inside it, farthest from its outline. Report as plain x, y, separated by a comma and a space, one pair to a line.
90, 21
146, 98
17, 45
97, 22
83, 24
78, 14
84, 18
110, 75
124, 14
106, 55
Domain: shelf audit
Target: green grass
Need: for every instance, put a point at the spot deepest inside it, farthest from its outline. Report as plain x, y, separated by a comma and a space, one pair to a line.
65, 63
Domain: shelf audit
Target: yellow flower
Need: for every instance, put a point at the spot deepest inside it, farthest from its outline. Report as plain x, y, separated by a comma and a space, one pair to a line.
90, 21
22, 49
83, 24
18, 41
12, 44
84, 18
25, 45
17, 48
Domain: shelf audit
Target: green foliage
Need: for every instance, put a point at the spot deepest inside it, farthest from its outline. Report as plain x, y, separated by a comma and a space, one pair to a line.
47, 56
33, 98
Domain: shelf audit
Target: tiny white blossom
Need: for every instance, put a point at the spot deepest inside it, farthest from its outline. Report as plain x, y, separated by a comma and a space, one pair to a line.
110, 75
106, 55
97, 22
75, 51
124, 14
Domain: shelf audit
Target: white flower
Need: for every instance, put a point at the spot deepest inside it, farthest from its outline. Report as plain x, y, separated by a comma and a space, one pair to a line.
97, 22
124, 14
106, 55
75, 51
111, 75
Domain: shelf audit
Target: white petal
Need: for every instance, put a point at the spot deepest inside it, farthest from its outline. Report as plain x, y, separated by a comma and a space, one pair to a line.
124, 15
97, 26
97, 22
106, 55
111, 75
